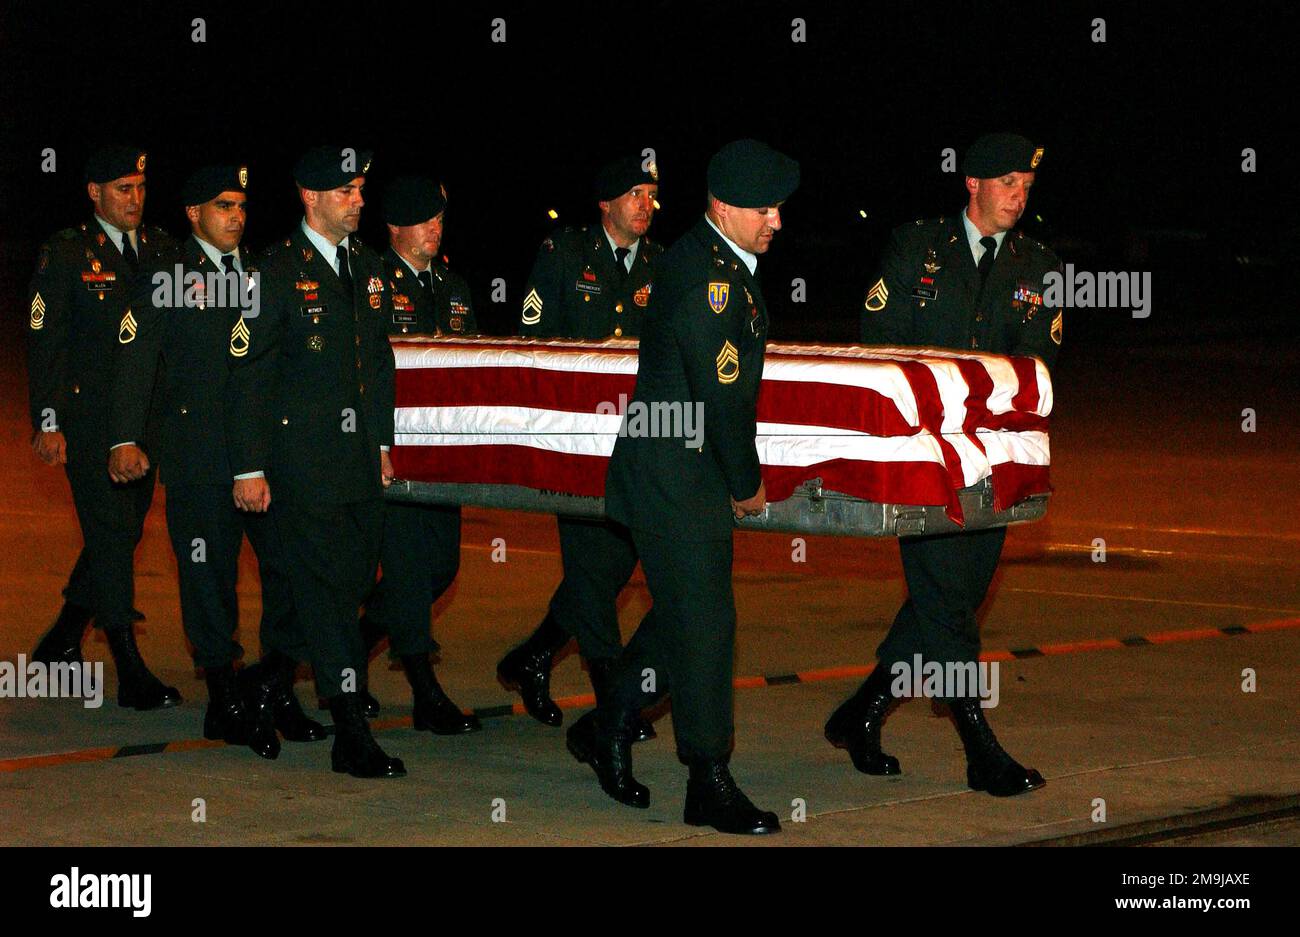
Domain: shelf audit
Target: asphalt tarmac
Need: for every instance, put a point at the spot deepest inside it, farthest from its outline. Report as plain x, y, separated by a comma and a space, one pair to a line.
1157, 684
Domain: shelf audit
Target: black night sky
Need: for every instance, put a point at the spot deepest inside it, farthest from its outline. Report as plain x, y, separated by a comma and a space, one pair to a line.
1143, 133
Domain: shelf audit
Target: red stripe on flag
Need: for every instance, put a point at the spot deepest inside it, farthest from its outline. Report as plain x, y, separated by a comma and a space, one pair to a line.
1026, 398
572, 391
1014, 481
841, 406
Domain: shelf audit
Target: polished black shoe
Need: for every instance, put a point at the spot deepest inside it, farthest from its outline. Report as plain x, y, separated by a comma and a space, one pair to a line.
226, 718
287, 716
369, 705
261, 685
434, 711
855, 726
62, 643
988, 766
291, 721
713, 799
598, 670
355, 750
527, 670
610, 756
137, 687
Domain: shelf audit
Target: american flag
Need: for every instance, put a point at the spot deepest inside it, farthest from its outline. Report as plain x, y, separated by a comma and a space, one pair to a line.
892, 425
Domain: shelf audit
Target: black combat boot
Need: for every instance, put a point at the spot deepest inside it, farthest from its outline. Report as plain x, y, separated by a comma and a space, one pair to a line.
137, 687
855, 726
62, 643
371, 635
355, 750
261, 687
713, 799
433, 710
599, 671
988, 766
610, 756
527, 669
288, 716
226, 717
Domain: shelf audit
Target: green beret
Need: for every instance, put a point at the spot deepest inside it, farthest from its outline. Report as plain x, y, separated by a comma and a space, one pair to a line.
321, 168
114, 162
750, 174
411, 200
207, 182
996, 154
623, 175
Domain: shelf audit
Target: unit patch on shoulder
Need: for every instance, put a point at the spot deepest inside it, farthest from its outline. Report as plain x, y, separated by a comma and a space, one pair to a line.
728, 362
877, 296
38, 312
126, 331
718, 294
239, 339
532, 308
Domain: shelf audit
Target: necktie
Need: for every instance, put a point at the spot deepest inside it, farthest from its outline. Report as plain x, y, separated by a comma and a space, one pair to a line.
426, 281
986, 261
620, 255
128, 252
345, 272
228, 263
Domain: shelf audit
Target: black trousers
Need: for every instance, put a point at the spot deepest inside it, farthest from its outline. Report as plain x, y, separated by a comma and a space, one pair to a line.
112, 520
331, 552
419, 559
948, 576
599, 557
206, 532
686, 643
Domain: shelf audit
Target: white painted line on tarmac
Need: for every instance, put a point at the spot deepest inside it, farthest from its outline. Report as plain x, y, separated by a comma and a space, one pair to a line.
1191, 531
1142, 598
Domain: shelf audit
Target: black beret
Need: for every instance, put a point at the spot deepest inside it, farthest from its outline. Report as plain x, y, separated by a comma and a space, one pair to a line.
412, 200
114, 162
322, 168
623, 175
996, 154
207, 182
750, 174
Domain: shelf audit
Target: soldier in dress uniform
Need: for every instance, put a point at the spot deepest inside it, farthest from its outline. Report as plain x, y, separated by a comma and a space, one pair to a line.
183, 314
970, 281
420, 555
309, 420
703, 343
77, 301
590, 283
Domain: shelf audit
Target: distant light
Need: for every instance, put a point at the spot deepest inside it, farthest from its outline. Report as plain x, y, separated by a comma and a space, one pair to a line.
862, 212
1039, 218
657, 205
552, 214
445, 260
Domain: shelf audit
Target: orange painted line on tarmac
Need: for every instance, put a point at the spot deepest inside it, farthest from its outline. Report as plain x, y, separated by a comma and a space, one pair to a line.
1281, 624
997, 655
1173, 637
1078, 647
835, 673
187, 745
63, 758
9, 765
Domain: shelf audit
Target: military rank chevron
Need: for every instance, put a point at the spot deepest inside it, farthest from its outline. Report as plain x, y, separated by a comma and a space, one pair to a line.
126, 331
532, 308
